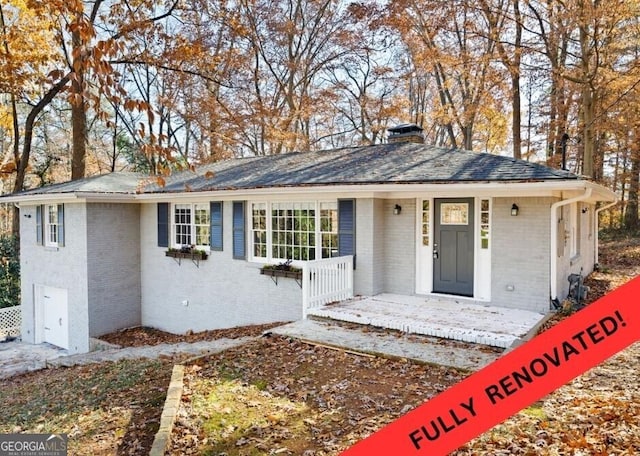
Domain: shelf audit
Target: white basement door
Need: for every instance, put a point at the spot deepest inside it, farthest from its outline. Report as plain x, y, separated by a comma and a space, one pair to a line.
56, 317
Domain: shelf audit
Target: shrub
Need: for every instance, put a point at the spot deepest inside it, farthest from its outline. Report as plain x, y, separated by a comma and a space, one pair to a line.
9, 272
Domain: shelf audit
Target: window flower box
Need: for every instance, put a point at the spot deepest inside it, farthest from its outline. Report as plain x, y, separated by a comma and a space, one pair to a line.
194, 255
282, 270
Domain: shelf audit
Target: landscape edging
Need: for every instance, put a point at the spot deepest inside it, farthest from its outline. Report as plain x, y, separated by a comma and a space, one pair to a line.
169, 412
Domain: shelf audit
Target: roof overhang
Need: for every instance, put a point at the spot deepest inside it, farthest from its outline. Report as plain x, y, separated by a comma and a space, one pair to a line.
76, 197
405, 190
560, 189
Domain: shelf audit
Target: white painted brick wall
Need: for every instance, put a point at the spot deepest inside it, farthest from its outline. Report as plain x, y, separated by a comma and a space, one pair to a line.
399, 247
222, 293
113, 245
365, 276
520, 254
586, 259
64, 267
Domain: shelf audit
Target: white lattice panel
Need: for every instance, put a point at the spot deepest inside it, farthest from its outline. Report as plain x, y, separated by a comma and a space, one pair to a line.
10, 321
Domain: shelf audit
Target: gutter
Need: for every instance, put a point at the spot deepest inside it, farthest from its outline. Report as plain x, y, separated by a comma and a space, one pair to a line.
597, 225
554, 238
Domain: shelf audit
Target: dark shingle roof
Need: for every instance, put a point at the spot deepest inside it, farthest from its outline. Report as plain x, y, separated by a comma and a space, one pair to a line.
122, 182
385, 163
380, 164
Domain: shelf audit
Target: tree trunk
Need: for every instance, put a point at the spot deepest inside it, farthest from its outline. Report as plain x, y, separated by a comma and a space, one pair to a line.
588, 139
516, 117
631, 222
78, 113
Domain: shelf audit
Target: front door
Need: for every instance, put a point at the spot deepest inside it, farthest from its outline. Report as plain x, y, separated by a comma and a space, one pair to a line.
453, 246
55, 316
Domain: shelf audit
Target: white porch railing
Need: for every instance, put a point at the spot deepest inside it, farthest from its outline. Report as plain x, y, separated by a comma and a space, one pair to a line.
325, 281
10, 321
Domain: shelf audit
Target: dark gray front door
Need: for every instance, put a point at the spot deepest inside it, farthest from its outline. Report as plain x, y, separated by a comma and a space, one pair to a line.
453, 246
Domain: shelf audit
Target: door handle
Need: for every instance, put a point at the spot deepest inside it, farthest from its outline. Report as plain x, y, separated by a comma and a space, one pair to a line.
47, 329
435, 255
60, 321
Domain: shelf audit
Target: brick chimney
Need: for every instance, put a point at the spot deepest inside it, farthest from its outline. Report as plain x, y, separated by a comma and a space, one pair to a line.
405, 133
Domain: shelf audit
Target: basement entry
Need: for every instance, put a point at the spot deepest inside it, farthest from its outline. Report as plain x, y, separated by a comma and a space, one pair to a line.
52, 307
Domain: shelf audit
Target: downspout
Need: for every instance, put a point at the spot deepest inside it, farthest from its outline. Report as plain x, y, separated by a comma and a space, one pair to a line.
597, 225
554, 238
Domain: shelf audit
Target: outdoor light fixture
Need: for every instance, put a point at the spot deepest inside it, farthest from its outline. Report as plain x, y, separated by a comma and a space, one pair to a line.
514, 210
397, 209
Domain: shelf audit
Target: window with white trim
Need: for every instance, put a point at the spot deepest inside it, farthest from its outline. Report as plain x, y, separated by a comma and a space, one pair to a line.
259, 229
485, 223
191, 225
426, 222
300, 231
329, 229
51, 225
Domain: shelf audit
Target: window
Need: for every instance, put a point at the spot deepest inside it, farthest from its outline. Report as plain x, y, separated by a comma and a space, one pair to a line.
293, 231
454, 214
299, 231
485, 223
425, 222
50, 225
259, 229
329, 230
191, 225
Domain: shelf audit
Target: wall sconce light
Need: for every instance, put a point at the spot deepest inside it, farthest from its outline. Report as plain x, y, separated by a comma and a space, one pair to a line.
514, 210
397, 209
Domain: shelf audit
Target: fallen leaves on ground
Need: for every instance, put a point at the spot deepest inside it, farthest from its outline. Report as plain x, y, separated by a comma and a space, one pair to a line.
596, 414
143, 335
282, 396
279, 396
110, 408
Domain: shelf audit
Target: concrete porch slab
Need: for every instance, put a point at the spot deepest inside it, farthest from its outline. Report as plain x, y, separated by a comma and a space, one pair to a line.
456, 319
418, 348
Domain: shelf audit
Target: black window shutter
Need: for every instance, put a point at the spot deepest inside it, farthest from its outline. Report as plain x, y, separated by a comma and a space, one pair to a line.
215, 213
347, 228
163, 224
239, 238
60, 225
39, 225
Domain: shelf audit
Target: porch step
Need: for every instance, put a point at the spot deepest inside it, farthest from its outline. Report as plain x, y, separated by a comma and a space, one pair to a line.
395, 345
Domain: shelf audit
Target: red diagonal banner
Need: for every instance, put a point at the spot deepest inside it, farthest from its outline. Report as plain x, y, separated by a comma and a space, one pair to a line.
514, 381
